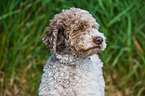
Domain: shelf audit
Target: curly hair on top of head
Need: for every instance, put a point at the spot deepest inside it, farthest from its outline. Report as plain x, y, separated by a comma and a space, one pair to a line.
64, 28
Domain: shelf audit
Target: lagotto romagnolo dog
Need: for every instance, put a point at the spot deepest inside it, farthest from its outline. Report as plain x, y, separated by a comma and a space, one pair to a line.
74, 68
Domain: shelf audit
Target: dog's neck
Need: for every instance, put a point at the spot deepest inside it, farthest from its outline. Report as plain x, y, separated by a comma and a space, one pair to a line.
69, 58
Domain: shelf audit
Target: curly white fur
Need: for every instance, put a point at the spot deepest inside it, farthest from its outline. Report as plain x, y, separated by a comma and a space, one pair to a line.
82, 78
78, 72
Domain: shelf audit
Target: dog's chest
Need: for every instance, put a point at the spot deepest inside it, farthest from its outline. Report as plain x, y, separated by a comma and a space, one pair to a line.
80, 78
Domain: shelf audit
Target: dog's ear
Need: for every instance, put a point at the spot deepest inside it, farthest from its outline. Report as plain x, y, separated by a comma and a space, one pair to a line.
54, 39
60, 42
50, 38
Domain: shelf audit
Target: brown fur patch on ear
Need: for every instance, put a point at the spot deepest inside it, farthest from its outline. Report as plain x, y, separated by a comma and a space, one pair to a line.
49, 38
55, 39
60, 46
57, 35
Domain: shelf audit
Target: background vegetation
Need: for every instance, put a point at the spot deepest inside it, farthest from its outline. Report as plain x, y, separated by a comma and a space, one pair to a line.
23, 55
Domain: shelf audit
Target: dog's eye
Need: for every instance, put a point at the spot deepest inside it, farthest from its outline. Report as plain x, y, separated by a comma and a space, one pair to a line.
79, 28
82, 27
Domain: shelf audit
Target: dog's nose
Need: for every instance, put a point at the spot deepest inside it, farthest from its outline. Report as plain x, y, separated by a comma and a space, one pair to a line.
98, 40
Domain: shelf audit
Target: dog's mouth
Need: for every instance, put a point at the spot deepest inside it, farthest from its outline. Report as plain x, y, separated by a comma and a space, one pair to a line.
97, 47
89, 51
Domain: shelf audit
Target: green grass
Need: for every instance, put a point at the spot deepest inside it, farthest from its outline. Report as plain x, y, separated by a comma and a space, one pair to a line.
23, 55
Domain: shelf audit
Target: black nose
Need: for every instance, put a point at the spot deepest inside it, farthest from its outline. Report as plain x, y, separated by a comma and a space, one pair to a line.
98, 40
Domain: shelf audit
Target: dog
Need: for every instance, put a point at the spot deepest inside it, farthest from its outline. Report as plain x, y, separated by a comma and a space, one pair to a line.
74, 68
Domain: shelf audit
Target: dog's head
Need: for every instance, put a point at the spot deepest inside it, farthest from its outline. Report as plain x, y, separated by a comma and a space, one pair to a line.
74, 31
